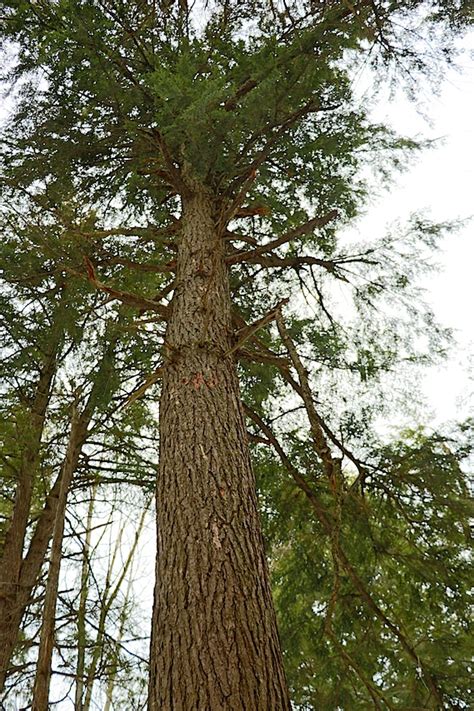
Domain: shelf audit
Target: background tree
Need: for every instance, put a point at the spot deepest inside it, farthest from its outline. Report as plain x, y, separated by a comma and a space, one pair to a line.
58, 350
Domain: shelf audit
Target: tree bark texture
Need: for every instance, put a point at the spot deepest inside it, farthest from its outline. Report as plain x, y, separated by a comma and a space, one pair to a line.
214, 639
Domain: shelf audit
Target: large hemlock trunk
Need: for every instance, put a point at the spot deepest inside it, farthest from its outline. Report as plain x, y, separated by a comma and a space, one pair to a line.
214, 642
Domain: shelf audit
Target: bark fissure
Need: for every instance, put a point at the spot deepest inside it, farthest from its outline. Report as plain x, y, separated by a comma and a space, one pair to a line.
214, 640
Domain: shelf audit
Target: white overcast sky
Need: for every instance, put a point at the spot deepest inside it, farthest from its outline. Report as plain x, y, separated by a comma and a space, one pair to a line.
441, 182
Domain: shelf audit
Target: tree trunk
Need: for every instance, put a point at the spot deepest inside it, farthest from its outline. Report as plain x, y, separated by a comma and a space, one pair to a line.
214, 639
12, 554
45, 653
108, 598
14, 606
82, 608
17, 582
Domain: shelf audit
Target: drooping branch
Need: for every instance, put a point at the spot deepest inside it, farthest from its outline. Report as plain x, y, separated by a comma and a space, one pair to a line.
328, 522
140, 391
331, 465
261, 355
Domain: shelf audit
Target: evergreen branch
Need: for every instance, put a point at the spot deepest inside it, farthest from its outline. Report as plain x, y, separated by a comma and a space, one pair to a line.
141, 389
246, 87
245, 180
331, 465
132, 34
275, 262
306, 228
139, 266
240, 238
374, 691
263, 356
395, 629
360, 466
134, 231
251, 83
174, 172
291, 469
328, 525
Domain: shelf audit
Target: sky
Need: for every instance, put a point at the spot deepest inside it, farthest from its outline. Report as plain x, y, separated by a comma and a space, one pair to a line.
441, 183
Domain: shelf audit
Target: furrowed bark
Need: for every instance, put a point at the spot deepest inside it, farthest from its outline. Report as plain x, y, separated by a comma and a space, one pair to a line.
214, 638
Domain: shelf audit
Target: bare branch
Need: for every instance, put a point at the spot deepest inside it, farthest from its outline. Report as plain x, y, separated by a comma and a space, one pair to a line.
306, 228
247, 332
125, 297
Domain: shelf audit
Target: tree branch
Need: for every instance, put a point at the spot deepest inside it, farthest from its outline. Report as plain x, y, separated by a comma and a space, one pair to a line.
247, 332
306, 228
125, 297
328, 524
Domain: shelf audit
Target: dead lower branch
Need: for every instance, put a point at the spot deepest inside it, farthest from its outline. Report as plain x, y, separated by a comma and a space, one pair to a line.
306, 228
245, 333
125, 297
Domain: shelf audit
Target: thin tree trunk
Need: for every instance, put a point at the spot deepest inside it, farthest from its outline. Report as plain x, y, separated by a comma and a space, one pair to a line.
104, 603
109, 694
16, 588
15, 605
12, 554
45, 653
81, 610
214, 639
109, 596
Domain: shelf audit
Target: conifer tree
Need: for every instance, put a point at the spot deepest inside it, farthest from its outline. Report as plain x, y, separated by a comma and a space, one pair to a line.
230, 135
58, 351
